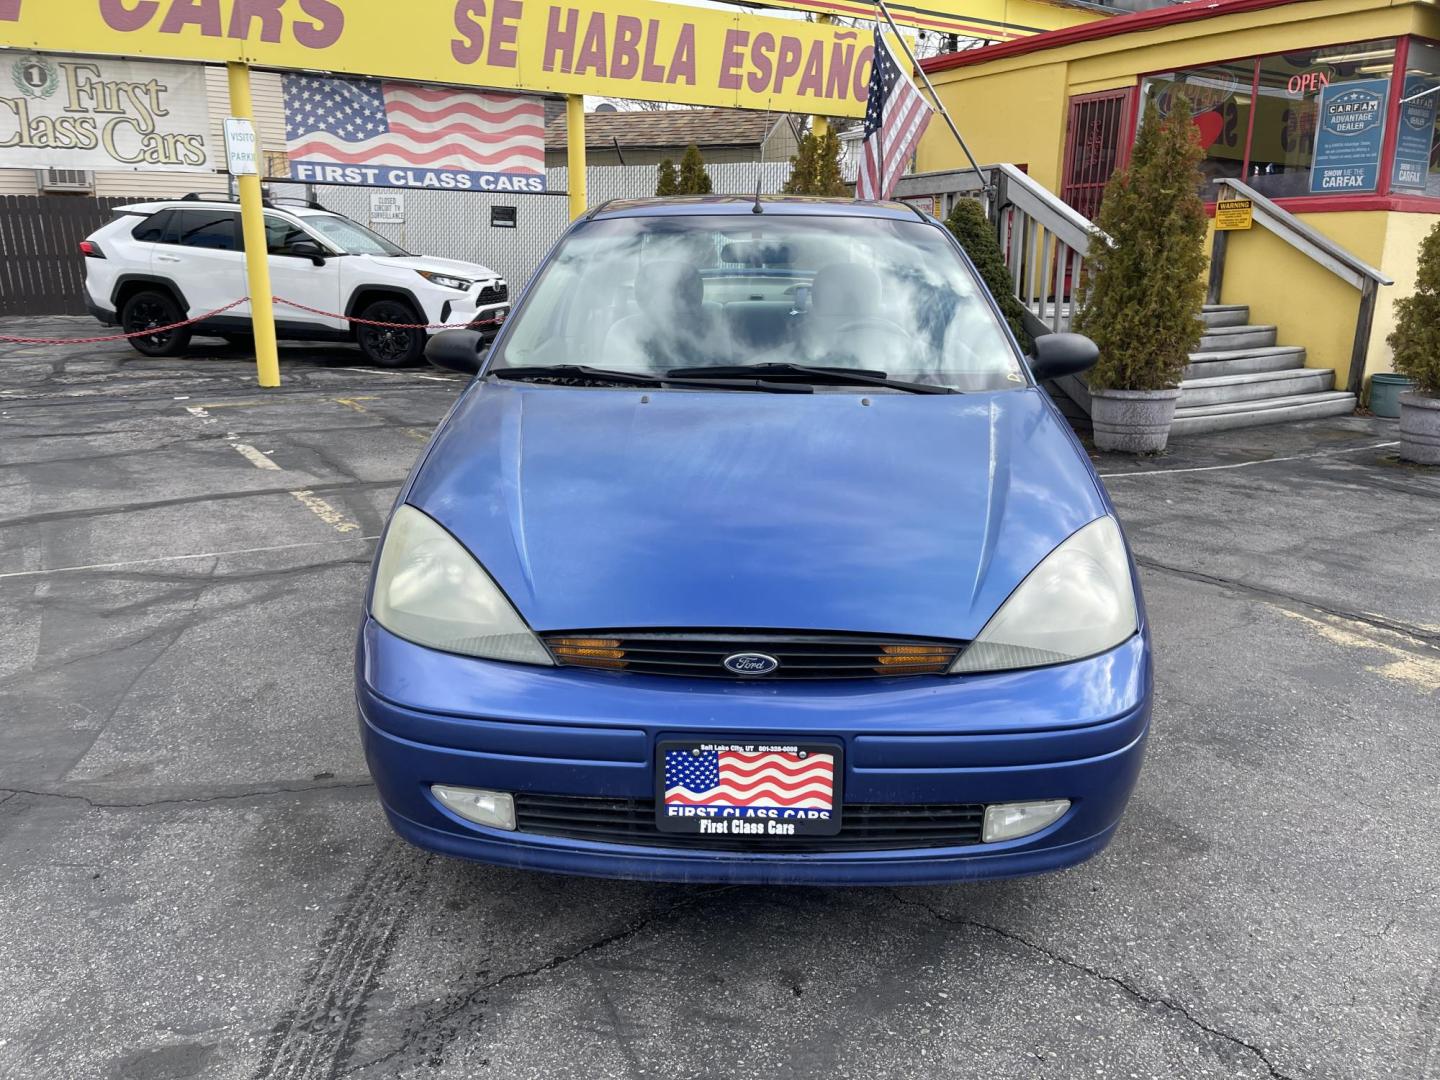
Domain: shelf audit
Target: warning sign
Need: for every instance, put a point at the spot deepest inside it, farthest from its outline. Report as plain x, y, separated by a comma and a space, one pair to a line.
1232, 214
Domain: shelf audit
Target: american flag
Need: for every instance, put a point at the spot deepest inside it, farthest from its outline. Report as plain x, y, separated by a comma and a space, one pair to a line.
728, 778
375, 122
895, 118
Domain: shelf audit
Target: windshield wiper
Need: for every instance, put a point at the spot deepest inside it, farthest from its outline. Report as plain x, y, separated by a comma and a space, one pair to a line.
583, 375
834, 376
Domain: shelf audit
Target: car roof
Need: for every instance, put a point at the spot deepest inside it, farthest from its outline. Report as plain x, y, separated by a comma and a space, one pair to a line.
220, 204
726, 205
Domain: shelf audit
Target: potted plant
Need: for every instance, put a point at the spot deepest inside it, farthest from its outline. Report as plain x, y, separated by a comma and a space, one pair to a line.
1143, 297
1416, 341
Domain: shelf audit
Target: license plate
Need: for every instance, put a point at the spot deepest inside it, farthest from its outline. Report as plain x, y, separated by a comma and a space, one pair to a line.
766, 790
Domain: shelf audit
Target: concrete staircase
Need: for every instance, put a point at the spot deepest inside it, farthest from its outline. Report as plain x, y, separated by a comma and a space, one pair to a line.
1238, 377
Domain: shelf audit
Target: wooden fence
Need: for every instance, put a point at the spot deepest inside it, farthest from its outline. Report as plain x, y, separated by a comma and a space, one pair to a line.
41, 269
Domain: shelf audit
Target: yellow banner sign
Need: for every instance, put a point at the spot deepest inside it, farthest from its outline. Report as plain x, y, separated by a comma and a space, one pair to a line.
614, 48
989, 20
1232, 214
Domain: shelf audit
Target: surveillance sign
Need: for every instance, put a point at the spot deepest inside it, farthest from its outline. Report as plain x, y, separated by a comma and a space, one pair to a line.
102, 114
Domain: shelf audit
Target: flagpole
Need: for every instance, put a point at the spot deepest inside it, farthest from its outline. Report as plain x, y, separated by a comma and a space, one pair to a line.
939, 105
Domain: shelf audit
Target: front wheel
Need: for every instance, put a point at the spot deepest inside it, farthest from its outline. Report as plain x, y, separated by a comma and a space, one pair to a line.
148, 309
390, 346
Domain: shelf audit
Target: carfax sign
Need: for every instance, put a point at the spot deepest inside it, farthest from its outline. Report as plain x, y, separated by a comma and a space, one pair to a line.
1412, 141
66, 113
1348, 135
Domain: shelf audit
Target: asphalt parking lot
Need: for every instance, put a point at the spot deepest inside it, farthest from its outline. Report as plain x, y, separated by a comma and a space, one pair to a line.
195, 880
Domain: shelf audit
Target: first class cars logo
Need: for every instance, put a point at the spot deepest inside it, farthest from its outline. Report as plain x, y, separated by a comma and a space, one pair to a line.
751, 663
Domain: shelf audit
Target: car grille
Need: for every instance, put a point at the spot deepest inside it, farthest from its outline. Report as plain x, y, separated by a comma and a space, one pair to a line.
863, 827
492, 294
700, 654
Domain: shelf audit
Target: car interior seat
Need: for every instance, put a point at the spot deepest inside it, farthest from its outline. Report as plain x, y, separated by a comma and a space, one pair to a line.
675, 326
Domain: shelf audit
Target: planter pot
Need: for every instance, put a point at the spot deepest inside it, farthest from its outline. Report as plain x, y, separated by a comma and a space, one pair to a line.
1385, 391
1420, 428
1132, 421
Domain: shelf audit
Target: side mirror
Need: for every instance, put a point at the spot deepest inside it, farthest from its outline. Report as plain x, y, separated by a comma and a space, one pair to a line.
456, 350
308, 249
1062, 354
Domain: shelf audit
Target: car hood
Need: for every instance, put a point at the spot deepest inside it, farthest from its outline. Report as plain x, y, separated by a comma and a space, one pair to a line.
457, 267
894, 513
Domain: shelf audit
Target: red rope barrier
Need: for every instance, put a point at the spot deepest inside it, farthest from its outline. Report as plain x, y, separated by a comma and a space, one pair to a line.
236, 303
122, 337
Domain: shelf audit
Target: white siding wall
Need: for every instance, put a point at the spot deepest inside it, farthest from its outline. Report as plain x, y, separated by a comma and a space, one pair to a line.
269, 123
17, 182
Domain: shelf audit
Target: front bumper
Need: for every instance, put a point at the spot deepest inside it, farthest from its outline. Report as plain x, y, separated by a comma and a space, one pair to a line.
1076, 731
486, 318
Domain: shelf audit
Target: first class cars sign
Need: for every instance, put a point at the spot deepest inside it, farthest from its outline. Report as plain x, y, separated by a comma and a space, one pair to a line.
614, 48
67, 113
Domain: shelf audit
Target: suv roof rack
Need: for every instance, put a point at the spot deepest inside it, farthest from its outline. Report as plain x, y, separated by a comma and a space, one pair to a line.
266, 200
291, 200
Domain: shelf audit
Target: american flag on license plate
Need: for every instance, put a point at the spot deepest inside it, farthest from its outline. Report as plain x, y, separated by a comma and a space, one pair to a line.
378, 122
895, 118
728, 778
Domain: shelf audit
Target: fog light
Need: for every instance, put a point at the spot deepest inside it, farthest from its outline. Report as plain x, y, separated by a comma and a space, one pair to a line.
1010, 821
493, 808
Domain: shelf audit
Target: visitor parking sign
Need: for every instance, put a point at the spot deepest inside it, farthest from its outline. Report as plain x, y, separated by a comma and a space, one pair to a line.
1348, 136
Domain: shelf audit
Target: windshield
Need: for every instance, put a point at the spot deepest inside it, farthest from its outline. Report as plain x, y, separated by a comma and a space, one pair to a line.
351, 237
656, 294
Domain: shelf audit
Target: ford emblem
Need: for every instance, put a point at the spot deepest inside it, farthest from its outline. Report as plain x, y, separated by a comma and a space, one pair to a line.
751, 663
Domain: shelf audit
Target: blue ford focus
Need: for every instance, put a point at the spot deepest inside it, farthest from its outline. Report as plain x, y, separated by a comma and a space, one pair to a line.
754, 553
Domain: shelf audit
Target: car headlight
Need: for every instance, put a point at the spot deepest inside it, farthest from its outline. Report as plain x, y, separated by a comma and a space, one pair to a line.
1078, 602
449, 281
430, 590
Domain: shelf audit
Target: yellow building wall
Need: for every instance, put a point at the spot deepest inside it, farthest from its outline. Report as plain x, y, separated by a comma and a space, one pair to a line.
1307, 304
1401, 261
1010, 117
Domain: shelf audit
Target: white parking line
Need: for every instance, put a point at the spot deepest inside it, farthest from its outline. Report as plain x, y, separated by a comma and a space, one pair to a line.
255, 457
182, 558
402, 374
1245, 464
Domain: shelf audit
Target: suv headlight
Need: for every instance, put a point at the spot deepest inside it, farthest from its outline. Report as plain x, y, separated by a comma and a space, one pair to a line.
1078, 602
430, 590
448, 280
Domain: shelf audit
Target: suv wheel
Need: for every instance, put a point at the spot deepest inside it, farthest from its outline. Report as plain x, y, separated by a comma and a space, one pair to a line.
387, 346
147, 309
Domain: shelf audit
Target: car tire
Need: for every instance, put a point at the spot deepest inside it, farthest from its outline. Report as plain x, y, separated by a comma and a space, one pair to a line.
390, 347
148, 308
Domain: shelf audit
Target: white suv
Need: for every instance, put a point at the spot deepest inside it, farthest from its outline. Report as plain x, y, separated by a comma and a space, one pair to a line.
163, 262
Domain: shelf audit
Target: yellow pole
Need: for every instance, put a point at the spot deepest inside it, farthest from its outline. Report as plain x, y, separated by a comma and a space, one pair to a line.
575, 152
257, 258
818, 124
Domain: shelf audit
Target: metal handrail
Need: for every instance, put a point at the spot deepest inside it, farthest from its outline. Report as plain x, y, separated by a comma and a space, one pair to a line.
1318, 248
1303, 238
1039, 202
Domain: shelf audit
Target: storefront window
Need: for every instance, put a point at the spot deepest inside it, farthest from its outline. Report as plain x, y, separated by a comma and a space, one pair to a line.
1293, 152
1318, 121
1416, 169
1219, 99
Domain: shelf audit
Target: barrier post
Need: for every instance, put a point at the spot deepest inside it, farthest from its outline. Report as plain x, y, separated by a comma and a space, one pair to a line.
575, 152
257, 255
